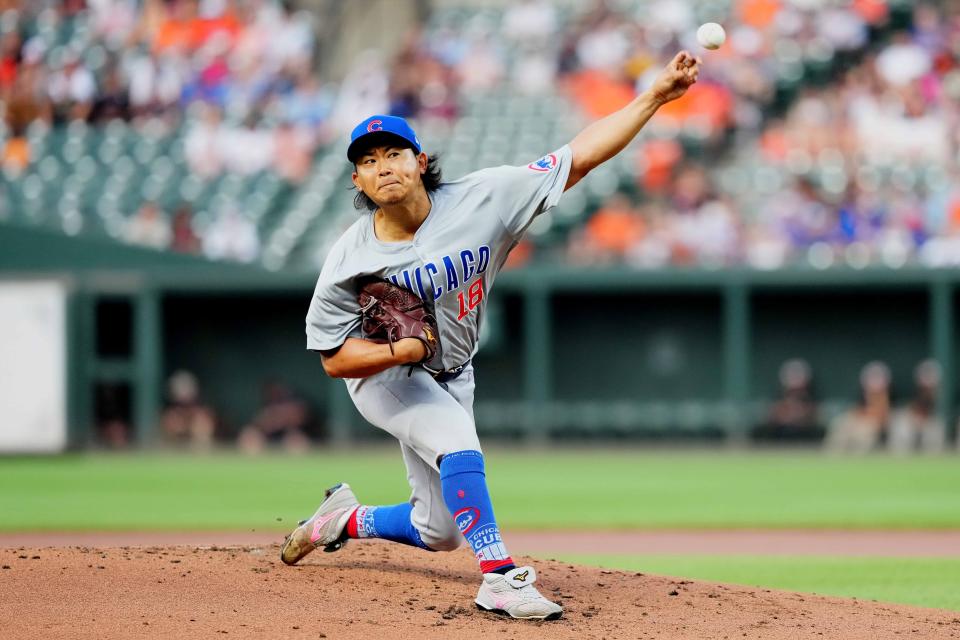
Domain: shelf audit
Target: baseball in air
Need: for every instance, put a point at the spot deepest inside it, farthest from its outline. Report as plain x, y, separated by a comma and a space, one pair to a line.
711, 35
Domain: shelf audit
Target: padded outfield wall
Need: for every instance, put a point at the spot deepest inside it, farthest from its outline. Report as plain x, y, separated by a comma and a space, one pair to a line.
565, 351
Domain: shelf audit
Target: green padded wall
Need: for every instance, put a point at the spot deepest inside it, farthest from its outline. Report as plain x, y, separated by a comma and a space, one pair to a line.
632, 346
838, 331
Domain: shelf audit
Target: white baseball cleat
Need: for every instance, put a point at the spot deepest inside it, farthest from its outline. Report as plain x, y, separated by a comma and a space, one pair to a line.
513, 594
325, 528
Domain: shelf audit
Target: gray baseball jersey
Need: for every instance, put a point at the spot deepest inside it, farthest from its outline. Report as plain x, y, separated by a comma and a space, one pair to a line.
451, 262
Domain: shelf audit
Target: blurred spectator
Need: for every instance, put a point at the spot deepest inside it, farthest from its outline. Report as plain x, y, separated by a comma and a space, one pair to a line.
9, 60
605, 45
853, 173
202, 145
308, 104
246, 149
684, 223
482, 67
281, 420
903, 61
72, 89
182, 30
793, 417
211, 77
113, 20
520, 255
184, 239
26, 101
149, 227
825, 133
186, 420
168, 54
704, 229
609, 233
916, 427
293, 41
530, 22
112, 101
425, 74
232, 236
112, 415
534, 74
862, 428
365, 89
16, 155
155, 83
292, 152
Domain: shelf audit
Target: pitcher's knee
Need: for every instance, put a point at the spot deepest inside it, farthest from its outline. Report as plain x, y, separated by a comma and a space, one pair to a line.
441, 542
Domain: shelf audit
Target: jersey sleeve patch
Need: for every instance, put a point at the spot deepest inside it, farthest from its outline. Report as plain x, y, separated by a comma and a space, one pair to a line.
546, 164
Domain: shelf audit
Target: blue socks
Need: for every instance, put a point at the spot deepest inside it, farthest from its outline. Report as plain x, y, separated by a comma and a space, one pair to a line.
390, 523
464, 486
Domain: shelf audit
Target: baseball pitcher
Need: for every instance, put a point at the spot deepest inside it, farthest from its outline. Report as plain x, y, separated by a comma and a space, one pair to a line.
397, 312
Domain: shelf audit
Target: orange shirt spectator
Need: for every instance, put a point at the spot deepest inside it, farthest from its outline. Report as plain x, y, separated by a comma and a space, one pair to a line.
774, 143
174, 34
186, 30
521, 255
656, 160
615, 227
710, 103
953, 215
16, 155
758, 13
873, 11
227, 24
600, 95
183, 29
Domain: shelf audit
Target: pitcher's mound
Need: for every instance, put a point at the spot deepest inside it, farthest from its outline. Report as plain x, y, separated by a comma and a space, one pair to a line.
382, 590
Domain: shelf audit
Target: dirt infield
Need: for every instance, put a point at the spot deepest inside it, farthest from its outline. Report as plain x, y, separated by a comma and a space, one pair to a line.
380, 590
900, 544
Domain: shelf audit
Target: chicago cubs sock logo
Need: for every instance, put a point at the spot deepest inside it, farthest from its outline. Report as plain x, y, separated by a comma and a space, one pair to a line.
466, 519
487, 544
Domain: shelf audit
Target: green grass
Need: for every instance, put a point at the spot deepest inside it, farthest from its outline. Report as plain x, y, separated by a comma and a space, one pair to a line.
555, 489
927, 582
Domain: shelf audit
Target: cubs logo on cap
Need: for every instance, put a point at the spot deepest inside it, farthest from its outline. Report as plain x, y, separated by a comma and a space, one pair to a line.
371, 131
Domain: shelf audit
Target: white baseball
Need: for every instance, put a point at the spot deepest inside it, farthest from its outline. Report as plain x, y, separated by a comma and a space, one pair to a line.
711, 35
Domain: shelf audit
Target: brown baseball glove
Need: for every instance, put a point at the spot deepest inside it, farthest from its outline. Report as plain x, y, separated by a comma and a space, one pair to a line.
390, 313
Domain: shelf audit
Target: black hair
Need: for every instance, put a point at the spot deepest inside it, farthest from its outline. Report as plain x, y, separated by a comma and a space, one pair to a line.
431, 178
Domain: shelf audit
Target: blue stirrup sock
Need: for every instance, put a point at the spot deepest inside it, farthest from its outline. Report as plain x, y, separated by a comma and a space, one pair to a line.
464, 487
388, 522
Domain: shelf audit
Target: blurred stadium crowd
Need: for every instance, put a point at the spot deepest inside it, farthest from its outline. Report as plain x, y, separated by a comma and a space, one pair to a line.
878, 420
823, 133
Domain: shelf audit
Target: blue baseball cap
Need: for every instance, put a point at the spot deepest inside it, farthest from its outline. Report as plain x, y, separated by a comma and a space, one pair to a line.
365, 135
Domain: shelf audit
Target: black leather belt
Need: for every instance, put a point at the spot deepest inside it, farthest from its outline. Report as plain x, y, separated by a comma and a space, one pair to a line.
449, 374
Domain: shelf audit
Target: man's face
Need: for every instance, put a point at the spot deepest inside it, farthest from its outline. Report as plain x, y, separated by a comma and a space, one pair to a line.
389, 175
